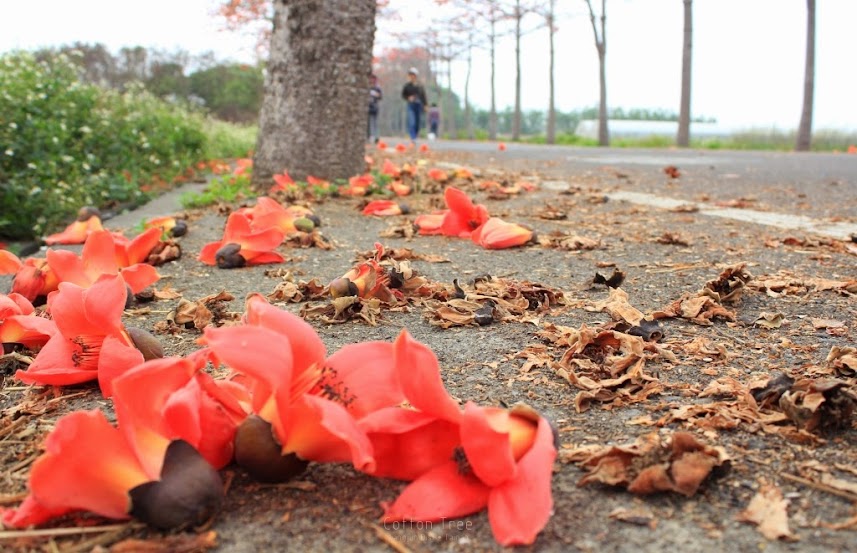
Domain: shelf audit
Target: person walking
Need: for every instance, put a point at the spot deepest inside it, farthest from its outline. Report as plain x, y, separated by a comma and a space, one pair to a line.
415, 95
433, 120
375, 96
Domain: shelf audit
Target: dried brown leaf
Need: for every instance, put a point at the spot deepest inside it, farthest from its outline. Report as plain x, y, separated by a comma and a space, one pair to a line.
767, 510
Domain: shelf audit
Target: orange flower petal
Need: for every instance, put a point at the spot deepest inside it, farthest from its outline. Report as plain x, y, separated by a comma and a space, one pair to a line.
496, 234
441, 493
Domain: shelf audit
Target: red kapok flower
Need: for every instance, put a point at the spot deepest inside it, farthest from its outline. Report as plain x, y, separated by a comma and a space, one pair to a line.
429, 223
317, 183
242, 166
382, 145
424, 148
401, 148
172, 398
496, 234
283, 183
99, 257
77, 232
384, 208
269, 213
399, 188
246, 246
501, 146
9, 263
88, 465
36, 278
504, 463
438, 175
463, 216
389, 168
18, 325
311, 400
358, 185
137, 249
91, 342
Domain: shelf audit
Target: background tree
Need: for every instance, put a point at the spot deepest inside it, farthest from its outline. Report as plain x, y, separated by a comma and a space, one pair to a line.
550, 22
683, 136
804, 131
601, 46
317, 73
232, 92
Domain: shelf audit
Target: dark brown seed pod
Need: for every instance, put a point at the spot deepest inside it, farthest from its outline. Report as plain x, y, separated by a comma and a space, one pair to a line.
227, 257
148, 345
87, 212
180, 229
189, 492
341, 287
259, 453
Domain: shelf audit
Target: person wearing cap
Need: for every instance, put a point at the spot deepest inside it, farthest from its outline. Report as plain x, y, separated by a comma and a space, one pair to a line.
415, 95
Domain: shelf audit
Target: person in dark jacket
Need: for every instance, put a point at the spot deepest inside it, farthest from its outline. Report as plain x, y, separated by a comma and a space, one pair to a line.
415, 95
375, 96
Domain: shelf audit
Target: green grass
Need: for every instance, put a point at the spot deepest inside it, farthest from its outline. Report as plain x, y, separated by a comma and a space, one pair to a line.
227, 188
228, 140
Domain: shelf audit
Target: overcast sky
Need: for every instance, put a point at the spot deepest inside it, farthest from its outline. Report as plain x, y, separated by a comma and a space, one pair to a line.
747, 64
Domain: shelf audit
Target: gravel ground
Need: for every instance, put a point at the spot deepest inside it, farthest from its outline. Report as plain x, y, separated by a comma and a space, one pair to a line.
664, 255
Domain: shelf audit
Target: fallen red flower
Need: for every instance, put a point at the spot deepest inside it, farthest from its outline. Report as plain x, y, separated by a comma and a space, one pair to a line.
175, 399
89, 466
99, 257
358, 185
283, 183
399, 188
318, 183
77, 232
504, 463
35, 278
401, 148
91, 342
384, 208
424, 148
389, 168
463, 216
496, 234
242, 165
438, 175
311, 401
245, 246
382, 145
18, 324
137, 249
9, 263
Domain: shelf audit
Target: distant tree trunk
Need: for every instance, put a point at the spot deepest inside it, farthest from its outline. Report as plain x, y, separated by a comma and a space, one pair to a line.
449, 113
601, 46
468, 116
320, 59
551, 124
492, 117
516, 117
804, 132
683, 137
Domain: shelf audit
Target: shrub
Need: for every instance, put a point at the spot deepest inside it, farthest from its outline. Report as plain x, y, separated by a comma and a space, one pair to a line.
69, 144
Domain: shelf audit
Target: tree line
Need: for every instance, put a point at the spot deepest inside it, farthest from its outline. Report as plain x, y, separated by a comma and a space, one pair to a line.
228, 91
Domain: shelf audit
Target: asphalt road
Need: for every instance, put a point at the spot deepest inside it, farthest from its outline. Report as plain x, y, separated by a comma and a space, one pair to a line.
821, 186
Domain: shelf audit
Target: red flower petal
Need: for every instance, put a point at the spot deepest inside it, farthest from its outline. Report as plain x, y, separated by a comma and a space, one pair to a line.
441, 493
9, 263
496, 233
519, 508
419, 377
87, 465
368, 371
486, 443
408, 443
115, 359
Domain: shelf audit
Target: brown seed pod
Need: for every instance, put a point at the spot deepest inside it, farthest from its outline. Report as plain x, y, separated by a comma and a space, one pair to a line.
259, 453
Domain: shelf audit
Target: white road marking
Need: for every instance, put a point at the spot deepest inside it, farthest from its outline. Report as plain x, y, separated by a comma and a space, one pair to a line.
839, 231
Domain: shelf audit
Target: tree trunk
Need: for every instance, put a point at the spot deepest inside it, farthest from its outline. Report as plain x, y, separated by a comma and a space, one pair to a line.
683, 136
804, 132
551, 124
492, 117
516, 117
313, 115
468, 116
601, 46
449, 113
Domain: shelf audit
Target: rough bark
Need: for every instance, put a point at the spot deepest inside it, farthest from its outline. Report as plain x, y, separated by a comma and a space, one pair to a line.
313, 115
683, 136
804, 132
